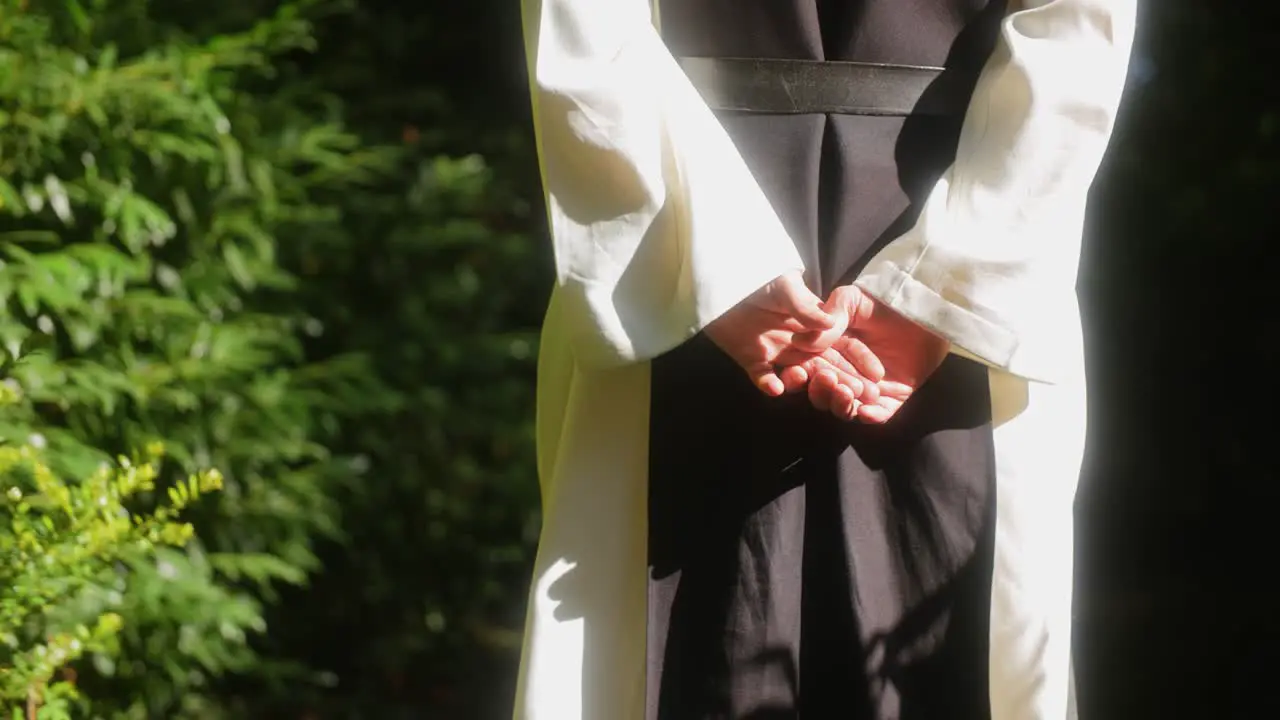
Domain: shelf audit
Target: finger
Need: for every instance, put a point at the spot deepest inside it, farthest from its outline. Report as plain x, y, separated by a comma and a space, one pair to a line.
837, 305
821, 390
764, 377
790, 324
887, 408
844, 374
790, 295
864, 389
861, 308
851, 302
850, 307
881, 413
896, 390
794, 378
826, 393
797, 369
843, 404
866, 362
876, 414
816, 341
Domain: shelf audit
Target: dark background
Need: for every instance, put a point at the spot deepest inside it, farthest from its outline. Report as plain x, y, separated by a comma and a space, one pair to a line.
1176, 543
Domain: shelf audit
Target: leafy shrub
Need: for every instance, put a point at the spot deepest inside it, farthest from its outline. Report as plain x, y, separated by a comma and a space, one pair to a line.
148, 174
193, 250
64, 553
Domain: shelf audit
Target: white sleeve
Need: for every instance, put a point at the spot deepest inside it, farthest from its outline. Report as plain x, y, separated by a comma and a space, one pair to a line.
991, 263
658, 225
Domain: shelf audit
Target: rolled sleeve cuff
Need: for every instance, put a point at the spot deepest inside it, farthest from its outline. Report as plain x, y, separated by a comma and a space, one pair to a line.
978, 337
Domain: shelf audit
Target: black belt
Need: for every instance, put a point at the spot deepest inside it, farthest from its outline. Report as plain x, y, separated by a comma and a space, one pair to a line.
790, 87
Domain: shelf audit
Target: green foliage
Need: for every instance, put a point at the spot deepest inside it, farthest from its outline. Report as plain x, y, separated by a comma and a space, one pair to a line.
147, 180
64, 553
194, 250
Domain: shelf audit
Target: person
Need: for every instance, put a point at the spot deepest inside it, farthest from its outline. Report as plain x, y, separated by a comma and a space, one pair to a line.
811, 401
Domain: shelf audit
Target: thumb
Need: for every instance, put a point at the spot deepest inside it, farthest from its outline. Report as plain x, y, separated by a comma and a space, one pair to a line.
788, 295
849, 306
850, 302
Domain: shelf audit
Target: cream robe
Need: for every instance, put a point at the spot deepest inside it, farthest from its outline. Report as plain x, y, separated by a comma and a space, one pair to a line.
658, 228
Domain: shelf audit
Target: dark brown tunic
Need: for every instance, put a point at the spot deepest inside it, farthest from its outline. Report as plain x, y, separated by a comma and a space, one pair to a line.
801, 566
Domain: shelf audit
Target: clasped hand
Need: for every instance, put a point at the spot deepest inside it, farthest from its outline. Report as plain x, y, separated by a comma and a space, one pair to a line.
855, 357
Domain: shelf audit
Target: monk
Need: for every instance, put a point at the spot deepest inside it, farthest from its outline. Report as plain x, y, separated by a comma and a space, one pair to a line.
811, 393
